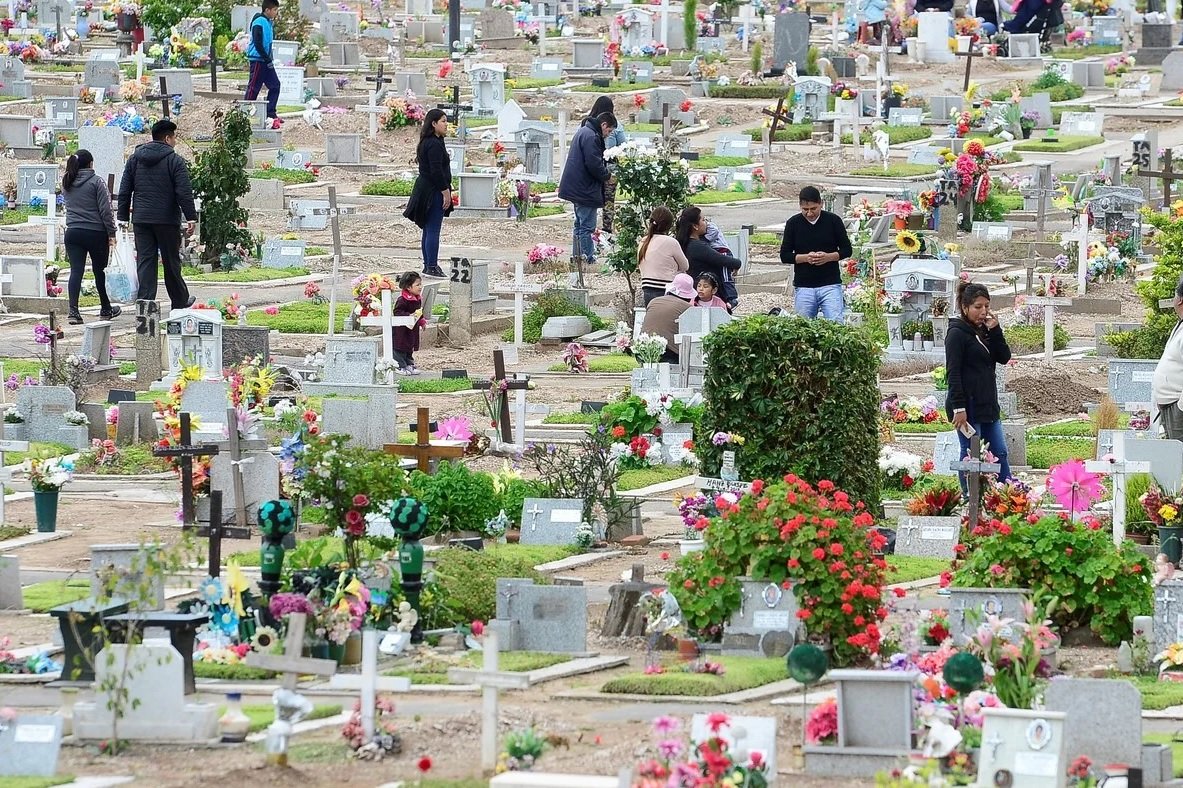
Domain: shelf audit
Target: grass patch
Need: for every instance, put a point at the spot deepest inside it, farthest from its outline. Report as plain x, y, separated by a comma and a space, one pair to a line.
262, 716
479, 123
531, 84
41, 451
251, 274
917, 428
748, 91
571, 418
22, 367
906, 568
395, 187
741, 673
1029, 339
300, 318
236, 672
895, 134
1009, 201
433, 385
285, 175
1079, 53
134, 459
2, 100
289, 108
436, 672
17, 531
35, 782
19, 215
794, 132
539, 211
1043, 453
1157, 695
985, 139
57, 68
1077, 428
42, 597
643, 477
613, 87
611, 362
765, 239
897, 170
1063, 144
712, 196
153, 396
712, 161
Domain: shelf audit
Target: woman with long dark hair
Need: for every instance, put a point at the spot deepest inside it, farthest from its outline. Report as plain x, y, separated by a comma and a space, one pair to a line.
660, 257
616, 137
692, 226
974, 346
90, 230
431, 197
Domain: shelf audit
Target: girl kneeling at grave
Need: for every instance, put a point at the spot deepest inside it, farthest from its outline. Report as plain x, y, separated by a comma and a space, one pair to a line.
409, 304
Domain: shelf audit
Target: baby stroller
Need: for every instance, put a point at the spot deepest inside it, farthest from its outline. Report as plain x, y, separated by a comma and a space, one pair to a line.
1036, 16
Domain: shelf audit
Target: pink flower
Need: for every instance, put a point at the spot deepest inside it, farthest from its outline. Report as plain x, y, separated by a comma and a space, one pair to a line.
997, 569
361, 501
478, 628
271, 310
666, 725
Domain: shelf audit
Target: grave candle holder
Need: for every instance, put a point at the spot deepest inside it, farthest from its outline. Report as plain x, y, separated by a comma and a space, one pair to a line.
276, 520
408, 517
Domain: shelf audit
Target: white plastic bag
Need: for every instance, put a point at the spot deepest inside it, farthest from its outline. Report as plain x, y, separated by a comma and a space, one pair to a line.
123, 283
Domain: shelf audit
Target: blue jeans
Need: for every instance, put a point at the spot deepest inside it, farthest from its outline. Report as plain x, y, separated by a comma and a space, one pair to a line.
989, 28
430, 244
581, 238
813, 301
991, 434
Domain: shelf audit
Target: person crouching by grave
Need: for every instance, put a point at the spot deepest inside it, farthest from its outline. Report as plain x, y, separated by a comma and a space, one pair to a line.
409, 304
90, 230
813, 243
704, 258
707, 286
973, 347
660, 257
431, 196
258, 53
661, 317
617, 137
583, 181
1167, 385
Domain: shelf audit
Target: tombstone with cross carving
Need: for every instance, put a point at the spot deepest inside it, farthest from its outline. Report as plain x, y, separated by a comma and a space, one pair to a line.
554, 521
488, 88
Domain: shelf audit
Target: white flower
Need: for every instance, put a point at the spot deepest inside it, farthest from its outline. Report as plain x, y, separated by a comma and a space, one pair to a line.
618, 450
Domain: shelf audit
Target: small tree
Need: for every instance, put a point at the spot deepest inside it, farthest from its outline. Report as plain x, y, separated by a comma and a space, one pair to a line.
220, 180
757, 64
690, 23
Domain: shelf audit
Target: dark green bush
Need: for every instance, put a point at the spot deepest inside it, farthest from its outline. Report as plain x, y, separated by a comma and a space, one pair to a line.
457, 498
803, 394
463, 587
748, 91
1148, 341
1029, 339
515, 493
551, 303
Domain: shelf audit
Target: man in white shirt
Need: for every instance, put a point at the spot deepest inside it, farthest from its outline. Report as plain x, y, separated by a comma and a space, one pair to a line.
1167, 385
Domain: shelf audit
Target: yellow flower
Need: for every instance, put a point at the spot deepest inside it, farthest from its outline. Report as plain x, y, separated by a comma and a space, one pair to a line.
1167, 512
907, 242
952, 248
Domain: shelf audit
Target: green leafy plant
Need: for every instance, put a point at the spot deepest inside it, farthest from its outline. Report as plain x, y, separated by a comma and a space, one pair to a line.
220, 181
811, 387
1096, 583
457, 497
1150, 339
756, 64
1029, 339
462, 585
552, 303
690, 23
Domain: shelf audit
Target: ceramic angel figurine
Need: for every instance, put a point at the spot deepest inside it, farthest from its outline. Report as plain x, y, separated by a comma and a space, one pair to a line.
1163, 569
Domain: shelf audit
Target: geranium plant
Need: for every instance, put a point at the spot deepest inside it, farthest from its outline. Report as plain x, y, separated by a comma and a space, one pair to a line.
674, 761
822, 725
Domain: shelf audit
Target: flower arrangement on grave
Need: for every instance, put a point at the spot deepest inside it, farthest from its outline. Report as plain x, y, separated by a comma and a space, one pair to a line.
47, 475
308, 54
11, 664
1170, 659
28, 51
76, 418
822, 725
900, 209
454, 428
344, 612
1162, 509
1073, 486
639, 452
910, 410
967, 26
860, 296
575, 358
400, 112
1010, 498
844, 91
180, 51
893, 304
1014, 649
523, 748
909, 242
899, 469
634, 416
934, 626
671, 760
909, 27
939, 499
1111, 260
126, 7
1091, 7
519, 195
102, 453
386, 740
1077, 37
231, 606
367, 292
648, 348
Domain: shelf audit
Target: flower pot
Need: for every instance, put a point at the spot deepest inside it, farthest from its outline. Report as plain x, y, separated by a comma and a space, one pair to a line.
352, 654
940, 329
928, 345
112, 429
336, 651
512, 536
319, 650
894, 326
82, 26
688, 649
844, 107
900, 222
892, 102
1138, 538
1170, 541
688, 546
311, 70
46, 506
1171, 675
963, 43
126, 22
1027, 131
16, 431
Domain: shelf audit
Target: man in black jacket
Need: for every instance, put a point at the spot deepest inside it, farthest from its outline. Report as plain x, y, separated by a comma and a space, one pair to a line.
583, 180
813, 243
156, 180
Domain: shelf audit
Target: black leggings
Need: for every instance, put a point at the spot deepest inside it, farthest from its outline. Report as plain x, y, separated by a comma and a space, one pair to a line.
80, 243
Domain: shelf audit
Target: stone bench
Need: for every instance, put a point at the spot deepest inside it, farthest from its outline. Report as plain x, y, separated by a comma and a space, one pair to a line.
78, 621
182, 632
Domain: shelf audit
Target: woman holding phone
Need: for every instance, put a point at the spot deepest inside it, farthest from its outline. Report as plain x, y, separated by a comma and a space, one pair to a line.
973, 346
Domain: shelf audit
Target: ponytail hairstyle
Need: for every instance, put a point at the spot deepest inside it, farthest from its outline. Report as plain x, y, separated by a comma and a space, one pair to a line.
407, 279
967, 293
661, 221
78, 161
686, 221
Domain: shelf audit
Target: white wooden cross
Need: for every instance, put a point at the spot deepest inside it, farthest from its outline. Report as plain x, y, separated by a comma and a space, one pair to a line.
1082, 254
387, 321
1049, 320
746, 17
490, 680
5, 474
519, 288
374, 109
369, 682
290, 663
1118, 467
50, 220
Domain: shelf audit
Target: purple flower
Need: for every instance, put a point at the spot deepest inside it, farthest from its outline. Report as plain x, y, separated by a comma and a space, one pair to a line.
284, 604
665, 725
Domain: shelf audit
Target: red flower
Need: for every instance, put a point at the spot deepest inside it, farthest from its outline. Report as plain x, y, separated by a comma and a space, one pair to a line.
819, 553
424, 764
716, 720
848, 608
825, 485
793, 563
618, 431
1067, 551
757, 486
907, 482
688, 445
803, 614
946, 579
355, 524
689, 584
361, 501
686, 105
310, 416
837, 549
715, 582
899, 593
665, 556
478, 628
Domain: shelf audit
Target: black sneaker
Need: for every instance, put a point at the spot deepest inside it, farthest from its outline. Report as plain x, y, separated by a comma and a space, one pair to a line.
192, 300
110, 314
74, 318
435, 271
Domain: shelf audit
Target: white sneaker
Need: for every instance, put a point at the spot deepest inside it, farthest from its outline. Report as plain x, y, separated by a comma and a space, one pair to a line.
402, 371
413, 370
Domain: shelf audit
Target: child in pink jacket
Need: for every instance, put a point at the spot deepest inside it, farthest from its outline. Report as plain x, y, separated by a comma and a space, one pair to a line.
707, 286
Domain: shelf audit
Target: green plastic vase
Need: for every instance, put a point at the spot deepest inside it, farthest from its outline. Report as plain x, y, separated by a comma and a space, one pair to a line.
46, 506
1170, 541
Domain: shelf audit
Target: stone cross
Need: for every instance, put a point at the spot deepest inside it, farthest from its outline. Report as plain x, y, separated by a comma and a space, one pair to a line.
163, 97
1049, 321
534, 516
334, 220
1119, 468
490, 680
974, 467
186, 451
1166, 599
994, 743
5, 474
746, 18
519, 288
423, 450
1167, 175
387, 321
236, 463
512, 384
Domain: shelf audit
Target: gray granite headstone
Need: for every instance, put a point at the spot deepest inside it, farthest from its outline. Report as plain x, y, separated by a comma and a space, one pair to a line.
96, 413
136, 423
1172, 75
1041, 104
766, 623
260, 482
930, 537
35, 180
292, 159
1165, 458
553, 618
1105, 440
904, 116
350, 360
283, 253
1130, 379
551, 520
790, 38
118, 560
942, 107
106, 145
29, 746
16, 131
1104, 718
924, 155
874, 708
101, 72
207, 401
96, 341
28, 276
266, 194
178, 80
343, 148
368, 421
11, 597
1168, 614
43, 408
969, 607
61, 113
946, 451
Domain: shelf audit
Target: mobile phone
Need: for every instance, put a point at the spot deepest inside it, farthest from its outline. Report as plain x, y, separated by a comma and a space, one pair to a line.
967, 430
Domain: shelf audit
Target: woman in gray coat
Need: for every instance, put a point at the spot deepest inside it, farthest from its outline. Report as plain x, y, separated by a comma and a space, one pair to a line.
90, 230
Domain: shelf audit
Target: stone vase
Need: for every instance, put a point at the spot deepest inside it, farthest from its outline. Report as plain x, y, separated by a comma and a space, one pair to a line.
940, 329
688, 546
16, 431
895, 325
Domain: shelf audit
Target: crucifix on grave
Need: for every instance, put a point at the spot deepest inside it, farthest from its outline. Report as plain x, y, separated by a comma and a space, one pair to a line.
490, 680
517, 383
370, 683
214, 62
185, 451
386, 321
372, 109
1166, 600
423, 451
1119, 468
5, 473
778, 115
969, 56
55, 333
1049, 320
1167, 175
747, 16
139, 58
163, 97
974, 468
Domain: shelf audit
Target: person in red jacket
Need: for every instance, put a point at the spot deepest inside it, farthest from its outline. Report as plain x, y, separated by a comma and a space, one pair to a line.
406, 339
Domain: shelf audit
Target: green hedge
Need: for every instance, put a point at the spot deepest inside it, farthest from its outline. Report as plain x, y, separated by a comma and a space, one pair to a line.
551, 303
748, 91
1148, 341
794, 132
1029, 339
803, 394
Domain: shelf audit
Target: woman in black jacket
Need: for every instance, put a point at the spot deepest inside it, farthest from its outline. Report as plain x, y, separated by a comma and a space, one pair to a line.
431, 197
90, 230
703, 258
973, 346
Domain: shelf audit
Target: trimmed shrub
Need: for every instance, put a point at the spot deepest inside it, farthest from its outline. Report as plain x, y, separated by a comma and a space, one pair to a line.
457, 498
804, 396
1029, 339
551, 303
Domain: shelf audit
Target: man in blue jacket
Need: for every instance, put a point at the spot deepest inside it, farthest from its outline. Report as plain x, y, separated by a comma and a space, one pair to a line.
583, 180
258, 52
